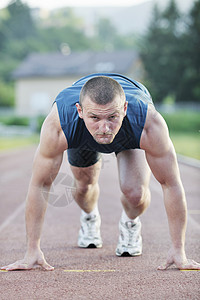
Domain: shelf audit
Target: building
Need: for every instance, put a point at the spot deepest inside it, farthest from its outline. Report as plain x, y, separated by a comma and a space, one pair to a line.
41, 76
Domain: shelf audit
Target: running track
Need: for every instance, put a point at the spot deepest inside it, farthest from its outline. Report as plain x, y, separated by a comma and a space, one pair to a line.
101, 274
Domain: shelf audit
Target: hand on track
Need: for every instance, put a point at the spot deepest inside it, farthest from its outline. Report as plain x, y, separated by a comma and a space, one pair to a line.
180, 260
29, 262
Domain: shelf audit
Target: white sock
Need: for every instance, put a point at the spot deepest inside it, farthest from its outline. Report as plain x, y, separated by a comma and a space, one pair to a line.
125, 218
94, 212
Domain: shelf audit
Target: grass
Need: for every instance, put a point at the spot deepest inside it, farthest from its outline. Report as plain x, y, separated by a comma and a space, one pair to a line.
187, 144
184, 128
183, 121
8, 143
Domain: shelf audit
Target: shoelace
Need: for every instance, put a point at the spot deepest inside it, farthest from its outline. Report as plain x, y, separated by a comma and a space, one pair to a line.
131, 234
90, 222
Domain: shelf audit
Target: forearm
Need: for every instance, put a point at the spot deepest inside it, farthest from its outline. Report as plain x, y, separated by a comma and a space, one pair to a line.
175, 204
36, 205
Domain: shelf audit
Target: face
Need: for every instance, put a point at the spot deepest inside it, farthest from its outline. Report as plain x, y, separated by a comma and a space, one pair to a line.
103, 121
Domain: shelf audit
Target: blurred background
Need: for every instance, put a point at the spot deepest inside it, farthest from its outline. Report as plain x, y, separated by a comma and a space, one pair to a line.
47, 45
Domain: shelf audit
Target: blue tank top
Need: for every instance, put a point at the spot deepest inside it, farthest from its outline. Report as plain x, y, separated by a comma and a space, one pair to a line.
130, 132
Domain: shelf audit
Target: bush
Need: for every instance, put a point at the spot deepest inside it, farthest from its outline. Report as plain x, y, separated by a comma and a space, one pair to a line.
40, 121
183, 121
6, 95
13, 120
36, 124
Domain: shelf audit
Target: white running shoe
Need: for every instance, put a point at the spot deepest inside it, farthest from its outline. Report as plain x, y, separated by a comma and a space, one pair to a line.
89, 233
130, 240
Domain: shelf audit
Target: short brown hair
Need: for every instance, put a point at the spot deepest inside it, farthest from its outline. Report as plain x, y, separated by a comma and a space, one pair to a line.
101, 90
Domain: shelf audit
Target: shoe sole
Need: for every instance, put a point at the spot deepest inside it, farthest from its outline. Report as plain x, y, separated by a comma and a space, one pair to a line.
127, 254
90, 246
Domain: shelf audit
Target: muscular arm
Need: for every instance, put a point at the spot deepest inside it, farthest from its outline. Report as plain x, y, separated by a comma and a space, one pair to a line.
47, 161
46, 165
162, 160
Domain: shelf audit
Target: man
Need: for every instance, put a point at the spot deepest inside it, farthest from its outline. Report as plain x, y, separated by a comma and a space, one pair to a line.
104, 113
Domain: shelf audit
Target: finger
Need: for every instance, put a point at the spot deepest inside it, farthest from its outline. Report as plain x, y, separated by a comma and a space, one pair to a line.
19, 267
3, 268
18, 262
13, 267
8, 266
193, 265
165, 267
45, 265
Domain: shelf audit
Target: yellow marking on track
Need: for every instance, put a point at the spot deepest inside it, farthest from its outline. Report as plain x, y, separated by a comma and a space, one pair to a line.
81, 271
194, 212
3, 271
189, 270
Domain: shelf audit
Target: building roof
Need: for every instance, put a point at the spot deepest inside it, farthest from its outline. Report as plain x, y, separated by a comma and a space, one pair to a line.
58, 64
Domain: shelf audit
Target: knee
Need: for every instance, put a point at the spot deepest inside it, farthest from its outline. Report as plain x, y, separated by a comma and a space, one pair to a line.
135, 196
85, 188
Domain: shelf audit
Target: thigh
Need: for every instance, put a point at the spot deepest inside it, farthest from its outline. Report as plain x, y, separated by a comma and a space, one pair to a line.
87, 175
85, 166
133, 168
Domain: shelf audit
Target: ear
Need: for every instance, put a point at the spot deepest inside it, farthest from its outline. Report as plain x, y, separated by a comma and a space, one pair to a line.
125, 107
79, 110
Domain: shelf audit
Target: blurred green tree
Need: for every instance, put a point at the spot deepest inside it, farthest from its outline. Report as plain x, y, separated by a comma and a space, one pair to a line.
170, 49
170, 52
106, 37
17, 28
19, 24
191, 44
161, 52
62, 26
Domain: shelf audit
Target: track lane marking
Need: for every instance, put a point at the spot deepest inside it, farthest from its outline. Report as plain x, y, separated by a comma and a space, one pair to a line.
188, 270
12, 216
194, 212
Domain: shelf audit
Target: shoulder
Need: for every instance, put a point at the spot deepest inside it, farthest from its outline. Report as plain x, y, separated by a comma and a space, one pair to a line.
155, 136
69, 96
52, 138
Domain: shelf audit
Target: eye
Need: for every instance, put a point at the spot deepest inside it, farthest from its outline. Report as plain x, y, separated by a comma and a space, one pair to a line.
112, 117
94, 118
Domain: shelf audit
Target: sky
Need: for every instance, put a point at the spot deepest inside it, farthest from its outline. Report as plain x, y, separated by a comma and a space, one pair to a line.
51, 4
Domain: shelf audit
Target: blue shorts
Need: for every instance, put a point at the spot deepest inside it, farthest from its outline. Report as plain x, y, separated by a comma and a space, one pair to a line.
82, 158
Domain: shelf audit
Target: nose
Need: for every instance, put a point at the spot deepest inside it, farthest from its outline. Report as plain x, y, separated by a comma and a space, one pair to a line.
104, 127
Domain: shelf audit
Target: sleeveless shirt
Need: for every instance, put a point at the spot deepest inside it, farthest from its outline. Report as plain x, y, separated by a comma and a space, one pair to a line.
130, 132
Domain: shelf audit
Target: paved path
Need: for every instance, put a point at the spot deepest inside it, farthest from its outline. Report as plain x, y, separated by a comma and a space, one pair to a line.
101, 274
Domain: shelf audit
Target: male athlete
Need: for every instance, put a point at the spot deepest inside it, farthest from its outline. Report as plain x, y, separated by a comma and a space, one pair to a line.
105, 113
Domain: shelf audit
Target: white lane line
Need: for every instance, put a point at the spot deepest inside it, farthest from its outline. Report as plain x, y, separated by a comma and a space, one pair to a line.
193, 222
188, 161
9, 176
194, 212
13, 216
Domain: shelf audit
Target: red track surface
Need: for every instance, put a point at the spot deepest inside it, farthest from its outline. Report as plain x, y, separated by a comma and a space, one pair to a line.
122, 278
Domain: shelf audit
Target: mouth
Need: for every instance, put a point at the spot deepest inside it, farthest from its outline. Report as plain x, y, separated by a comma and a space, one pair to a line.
105, 138
103, 134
